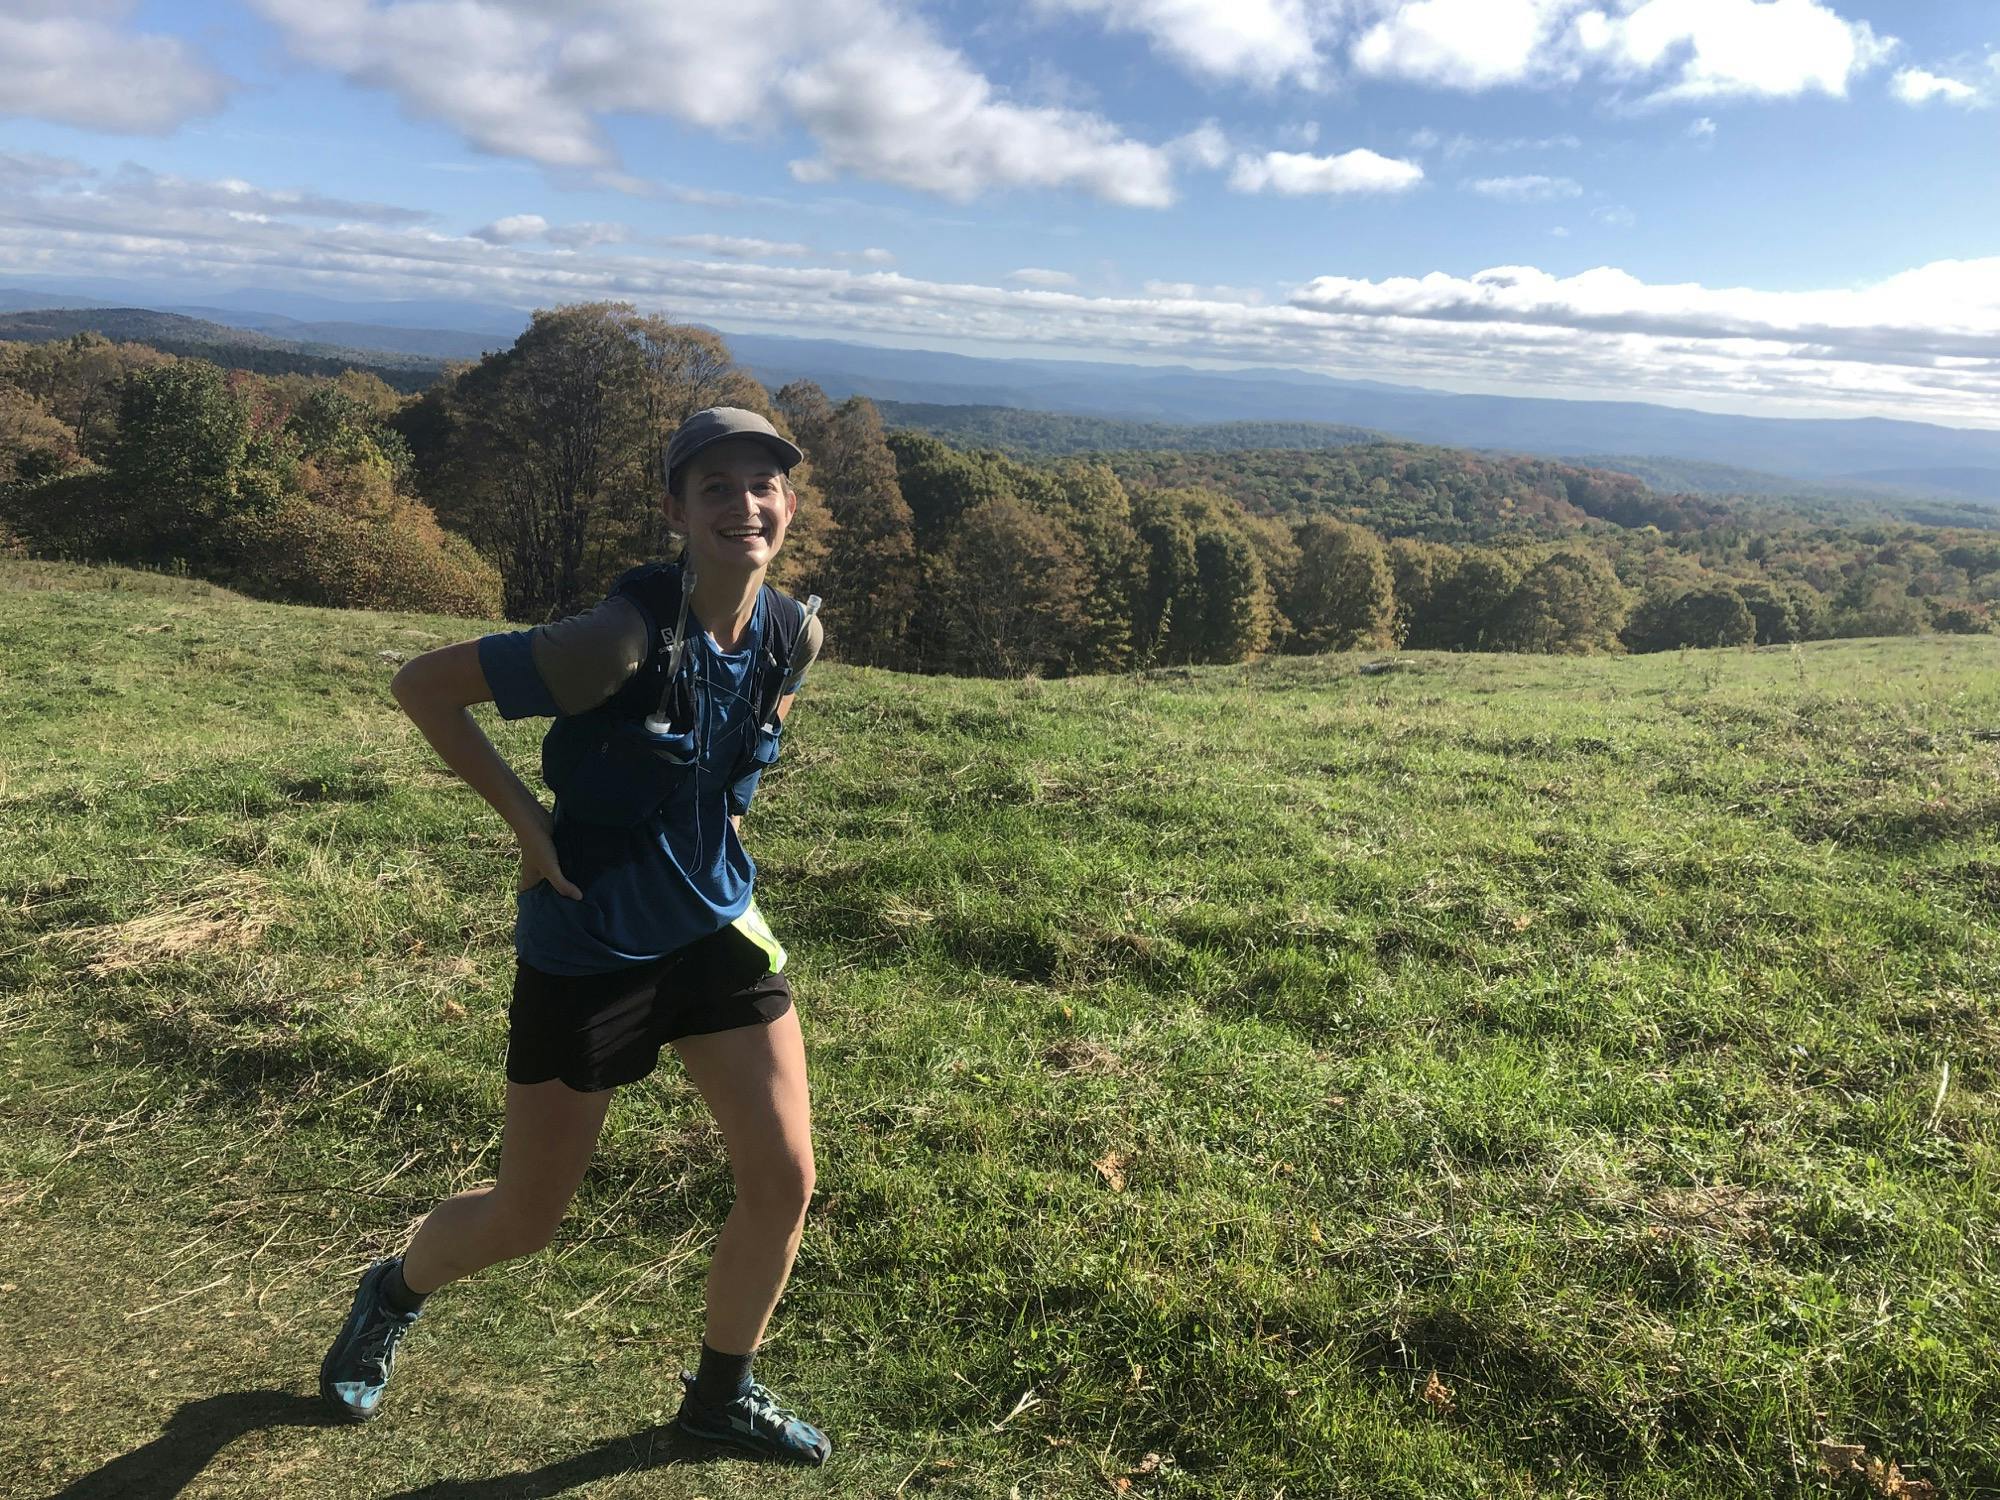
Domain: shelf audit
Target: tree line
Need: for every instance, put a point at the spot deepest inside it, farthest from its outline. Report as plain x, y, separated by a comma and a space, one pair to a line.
289, 487
525, 482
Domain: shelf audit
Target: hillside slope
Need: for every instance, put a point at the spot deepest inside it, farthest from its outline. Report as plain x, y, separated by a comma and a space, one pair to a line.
1497, 1075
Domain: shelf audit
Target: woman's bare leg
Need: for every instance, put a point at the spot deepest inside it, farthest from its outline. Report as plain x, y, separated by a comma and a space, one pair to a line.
547, 1143
754, 1081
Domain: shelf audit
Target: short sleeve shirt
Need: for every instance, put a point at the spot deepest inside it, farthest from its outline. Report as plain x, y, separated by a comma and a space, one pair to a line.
683, 873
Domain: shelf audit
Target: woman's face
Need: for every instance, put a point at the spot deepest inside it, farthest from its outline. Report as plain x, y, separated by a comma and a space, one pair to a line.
733, 507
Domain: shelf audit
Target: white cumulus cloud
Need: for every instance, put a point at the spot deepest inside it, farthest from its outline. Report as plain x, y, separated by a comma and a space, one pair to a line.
1918, 86
1256, 41
1753, 48
881, 96
80, 64
1688, 49
1206, 146
1296, 173
1467, 44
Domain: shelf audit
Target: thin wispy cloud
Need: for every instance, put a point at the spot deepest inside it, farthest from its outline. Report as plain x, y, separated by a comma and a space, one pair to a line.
1531, 188
1921, 344
738, 247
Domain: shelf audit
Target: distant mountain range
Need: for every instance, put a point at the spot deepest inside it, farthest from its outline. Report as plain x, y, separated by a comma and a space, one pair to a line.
408, 340
1874, 453
238, 348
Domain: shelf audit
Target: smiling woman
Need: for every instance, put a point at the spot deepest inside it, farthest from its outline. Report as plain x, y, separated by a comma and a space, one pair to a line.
637, 923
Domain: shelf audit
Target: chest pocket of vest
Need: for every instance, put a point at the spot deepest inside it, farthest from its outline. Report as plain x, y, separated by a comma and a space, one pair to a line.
762, 749
613, 773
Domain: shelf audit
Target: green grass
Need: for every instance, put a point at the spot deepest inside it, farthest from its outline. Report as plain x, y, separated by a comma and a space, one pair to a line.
1203, 1063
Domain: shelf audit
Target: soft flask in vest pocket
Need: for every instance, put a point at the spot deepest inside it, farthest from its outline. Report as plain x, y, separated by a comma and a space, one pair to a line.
616, 772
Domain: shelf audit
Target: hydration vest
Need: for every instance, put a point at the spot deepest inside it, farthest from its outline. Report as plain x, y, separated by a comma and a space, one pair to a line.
609, 766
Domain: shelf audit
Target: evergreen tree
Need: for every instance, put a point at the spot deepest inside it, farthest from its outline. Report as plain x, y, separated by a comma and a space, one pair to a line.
1163, 620
1416, 569
940, 483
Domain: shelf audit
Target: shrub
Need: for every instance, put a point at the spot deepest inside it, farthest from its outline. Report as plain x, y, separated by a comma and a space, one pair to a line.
303, 553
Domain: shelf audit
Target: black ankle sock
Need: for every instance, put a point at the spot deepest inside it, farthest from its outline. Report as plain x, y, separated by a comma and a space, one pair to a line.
396, 1291
722, 1377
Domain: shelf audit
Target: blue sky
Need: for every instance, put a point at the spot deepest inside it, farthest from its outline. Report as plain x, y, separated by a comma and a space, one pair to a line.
1778, 206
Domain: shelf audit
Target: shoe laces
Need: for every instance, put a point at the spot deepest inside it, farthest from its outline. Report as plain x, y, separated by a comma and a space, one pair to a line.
763, 1406
376, 1344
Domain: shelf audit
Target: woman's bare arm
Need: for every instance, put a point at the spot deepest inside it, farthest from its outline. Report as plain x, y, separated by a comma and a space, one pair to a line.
435, 690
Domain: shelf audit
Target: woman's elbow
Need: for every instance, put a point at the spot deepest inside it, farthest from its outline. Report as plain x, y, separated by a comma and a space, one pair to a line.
448, 677
419, 680
404, 686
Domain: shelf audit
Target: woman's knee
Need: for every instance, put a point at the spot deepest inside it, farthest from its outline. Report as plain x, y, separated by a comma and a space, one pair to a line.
779, 1189
518, 1227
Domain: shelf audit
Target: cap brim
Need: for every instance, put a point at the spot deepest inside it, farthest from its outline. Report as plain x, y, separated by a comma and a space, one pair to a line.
788, 455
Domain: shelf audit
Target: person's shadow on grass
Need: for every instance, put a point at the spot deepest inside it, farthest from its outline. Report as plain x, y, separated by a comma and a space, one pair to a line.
656, 1447
189, 1442
201, 1429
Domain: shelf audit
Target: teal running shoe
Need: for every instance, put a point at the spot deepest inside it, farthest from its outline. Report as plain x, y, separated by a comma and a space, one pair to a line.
755, 1423
356, 1369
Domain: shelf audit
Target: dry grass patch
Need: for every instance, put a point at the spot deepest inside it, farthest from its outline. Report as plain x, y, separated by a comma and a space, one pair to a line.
227, 912
1722, 1209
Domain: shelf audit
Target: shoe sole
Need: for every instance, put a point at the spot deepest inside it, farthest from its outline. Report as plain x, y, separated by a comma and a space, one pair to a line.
327, 1393
751, 1446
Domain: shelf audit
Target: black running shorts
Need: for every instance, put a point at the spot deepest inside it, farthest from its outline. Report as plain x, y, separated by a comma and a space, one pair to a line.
597, 1031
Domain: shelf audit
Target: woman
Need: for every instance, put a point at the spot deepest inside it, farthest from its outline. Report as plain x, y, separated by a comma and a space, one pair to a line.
637, 924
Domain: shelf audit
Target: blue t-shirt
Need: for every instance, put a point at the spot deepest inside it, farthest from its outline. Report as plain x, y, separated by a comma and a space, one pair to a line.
681, 874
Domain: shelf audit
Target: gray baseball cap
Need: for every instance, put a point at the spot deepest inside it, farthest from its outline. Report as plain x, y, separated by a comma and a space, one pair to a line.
717, 423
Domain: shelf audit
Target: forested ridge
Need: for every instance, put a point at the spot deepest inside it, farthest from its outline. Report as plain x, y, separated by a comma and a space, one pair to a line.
524, 483
1048, 434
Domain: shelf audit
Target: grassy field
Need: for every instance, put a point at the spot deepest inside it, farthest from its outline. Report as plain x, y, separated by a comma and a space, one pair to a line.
1496, 1076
